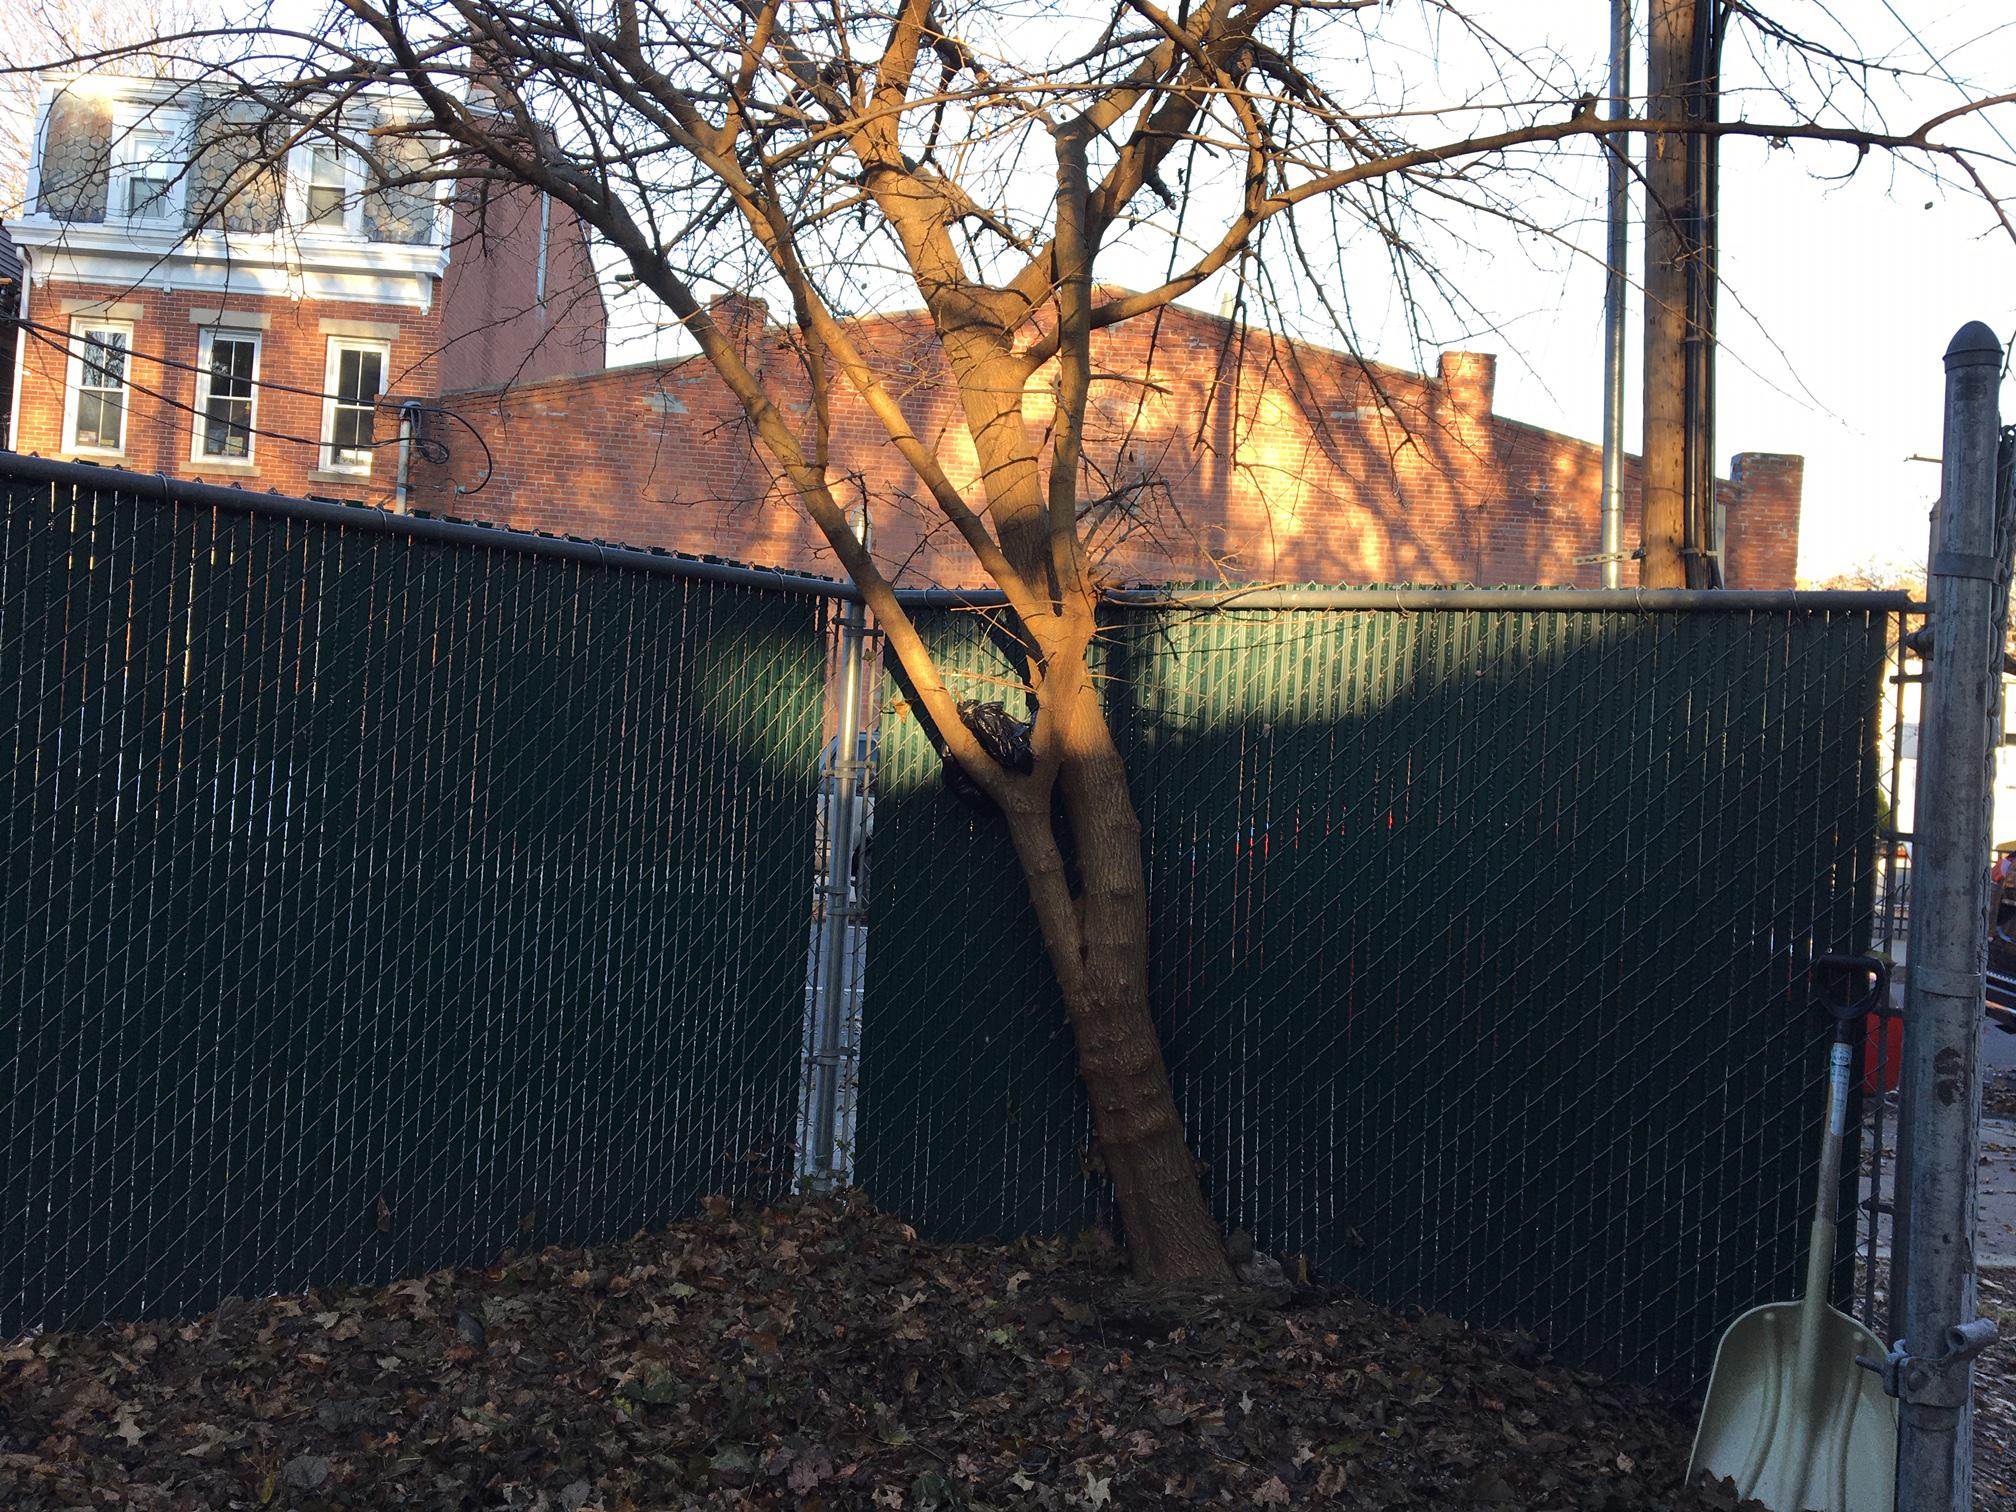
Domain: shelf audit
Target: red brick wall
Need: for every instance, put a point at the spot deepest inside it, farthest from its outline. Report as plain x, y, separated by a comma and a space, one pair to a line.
496, 325
1247, 458
1260, 460
162, 385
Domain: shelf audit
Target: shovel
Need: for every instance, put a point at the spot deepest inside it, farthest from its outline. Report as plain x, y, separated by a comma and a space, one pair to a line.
1790, 1417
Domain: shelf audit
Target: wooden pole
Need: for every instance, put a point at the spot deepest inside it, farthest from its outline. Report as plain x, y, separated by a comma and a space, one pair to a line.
1664, 504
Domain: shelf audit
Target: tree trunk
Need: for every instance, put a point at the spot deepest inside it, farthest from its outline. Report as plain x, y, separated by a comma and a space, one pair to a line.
1098, 944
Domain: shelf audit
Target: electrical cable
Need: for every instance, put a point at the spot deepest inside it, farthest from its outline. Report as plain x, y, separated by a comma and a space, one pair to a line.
428, 448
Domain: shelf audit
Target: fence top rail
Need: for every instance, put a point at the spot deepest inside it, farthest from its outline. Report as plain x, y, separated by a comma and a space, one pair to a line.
421, 527
159, 487
1480, 600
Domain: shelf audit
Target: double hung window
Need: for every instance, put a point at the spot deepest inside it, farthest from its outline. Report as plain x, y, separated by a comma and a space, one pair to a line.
356, 377
329, 197
227, 371
95, 416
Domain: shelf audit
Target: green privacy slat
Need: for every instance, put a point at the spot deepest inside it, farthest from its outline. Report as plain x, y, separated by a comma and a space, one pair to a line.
346, 871
1477, 940
370, 905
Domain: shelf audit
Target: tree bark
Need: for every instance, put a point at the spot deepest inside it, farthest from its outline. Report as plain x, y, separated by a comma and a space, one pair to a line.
1098, 943
1664, 468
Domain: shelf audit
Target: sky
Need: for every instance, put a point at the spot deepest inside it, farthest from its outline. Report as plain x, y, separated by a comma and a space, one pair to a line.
1840, 293
1840, 299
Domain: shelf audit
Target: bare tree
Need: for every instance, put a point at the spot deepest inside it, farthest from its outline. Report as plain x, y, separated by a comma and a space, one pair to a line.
992, 158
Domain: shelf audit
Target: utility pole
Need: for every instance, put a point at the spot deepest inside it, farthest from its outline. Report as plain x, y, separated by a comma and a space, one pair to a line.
1702, 536
1679, 473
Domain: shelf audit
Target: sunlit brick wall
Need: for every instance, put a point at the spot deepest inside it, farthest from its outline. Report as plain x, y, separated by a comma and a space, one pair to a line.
1211, 454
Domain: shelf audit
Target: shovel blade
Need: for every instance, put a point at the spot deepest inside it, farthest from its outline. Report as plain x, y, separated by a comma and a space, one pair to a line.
1793, 1420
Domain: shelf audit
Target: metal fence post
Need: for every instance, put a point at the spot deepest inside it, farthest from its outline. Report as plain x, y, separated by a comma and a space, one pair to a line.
831, 1014
1933, 1376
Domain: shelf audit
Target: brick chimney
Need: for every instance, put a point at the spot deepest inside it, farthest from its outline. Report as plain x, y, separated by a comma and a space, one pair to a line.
1470, 379
742, 318
1760, 542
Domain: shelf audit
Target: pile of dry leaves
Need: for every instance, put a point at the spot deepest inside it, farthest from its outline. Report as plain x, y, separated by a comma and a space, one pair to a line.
1995, 1395
818, 1356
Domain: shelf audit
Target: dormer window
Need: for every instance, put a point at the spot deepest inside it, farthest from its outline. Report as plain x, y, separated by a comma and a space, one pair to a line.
146, 169
146, 186
329, 195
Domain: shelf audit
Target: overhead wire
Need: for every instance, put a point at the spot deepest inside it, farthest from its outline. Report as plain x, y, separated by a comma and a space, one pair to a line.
432, 450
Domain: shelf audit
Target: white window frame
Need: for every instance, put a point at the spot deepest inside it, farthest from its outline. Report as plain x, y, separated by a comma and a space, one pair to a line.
82, 328
144, 135
302, 179
338, 345
206, 343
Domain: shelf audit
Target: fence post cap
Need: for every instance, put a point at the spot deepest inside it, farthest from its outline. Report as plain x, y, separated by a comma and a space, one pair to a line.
1973, 345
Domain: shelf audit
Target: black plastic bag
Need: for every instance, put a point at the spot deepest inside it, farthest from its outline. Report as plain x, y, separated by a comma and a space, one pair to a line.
1003, 738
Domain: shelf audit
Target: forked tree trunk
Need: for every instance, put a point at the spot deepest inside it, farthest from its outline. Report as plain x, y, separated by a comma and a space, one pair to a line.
1098, 944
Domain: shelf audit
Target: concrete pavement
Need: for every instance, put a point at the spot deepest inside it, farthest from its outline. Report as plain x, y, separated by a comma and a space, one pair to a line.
1995, 1225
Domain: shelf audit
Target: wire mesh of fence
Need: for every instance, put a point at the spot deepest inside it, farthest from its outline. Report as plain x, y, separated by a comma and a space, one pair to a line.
372, 902
374, 898
1478, 946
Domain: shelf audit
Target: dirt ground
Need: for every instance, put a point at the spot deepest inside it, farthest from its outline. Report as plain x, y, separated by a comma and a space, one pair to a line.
818, 1358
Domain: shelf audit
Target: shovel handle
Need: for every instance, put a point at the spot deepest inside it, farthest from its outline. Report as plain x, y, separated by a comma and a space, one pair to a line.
1833, 979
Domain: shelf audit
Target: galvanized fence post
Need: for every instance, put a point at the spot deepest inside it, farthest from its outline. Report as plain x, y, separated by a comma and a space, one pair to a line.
823, 1166
1932, 1368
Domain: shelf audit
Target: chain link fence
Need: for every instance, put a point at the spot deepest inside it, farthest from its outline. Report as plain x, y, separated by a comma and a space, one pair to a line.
1478, 945
381, 893
377, 894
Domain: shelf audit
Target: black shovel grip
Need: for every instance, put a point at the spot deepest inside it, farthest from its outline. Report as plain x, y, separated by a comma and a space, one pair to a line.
1849, 986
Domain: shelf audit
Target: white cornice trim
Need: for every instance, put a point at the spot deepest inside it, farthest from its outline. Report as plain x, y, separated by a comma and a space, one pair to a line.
304, 251
155, 90
223, 279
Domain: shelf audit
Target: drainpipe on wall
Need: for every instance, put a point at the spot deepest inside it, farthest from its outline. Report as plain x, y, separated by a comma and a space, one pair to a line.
1614, 295
20, 356
545, 241
406, 413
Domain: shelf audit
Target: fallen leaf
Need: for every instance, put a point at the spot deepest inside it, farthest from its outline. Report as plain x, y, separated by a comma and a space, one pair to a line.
127, 1427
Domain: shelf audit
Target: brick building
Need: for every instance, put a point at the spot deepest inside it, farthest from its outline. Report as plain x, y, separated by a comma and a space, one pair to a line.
311, 332
185, 311
1215, 453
